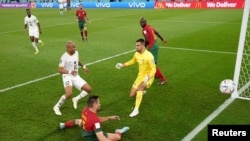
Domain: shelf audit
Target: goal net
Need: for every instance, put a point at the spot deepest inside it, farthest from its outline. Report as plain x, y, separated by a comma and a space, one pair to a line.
242, 66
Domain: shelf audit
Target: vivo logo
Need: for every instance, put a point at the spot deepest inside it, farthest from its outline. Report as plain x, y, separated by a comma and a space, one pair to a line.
74, 5
137, 5
103, 5
47, 5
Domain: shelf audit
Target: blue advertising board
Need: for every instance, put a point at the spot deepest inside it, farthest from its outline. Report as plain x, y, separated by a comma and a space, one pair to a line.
100, 5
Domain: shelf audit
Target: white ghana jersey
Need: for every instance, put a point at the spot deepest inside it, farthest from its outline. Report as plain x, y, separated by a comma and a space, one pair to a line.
31, 22
60, 1
69, 62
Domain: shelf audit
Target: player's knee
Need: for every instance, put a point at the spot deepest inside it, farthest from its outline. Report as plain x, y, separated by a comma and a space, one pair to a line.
132, 95
118, 137
87, 88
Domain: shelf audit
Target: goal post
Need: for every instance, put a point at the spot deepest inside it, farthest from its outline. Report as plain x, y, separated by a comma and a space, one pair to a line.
242, 65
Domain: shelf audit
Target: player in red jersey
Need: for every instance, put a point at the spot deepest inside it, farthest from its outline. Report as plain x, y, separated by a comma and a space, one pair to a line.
150, 34
68, 5
81, 17
91, 123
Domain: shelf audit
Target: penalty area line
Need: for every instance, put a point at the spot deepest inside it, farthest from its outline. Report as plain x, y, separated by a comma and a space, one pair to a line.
52, 75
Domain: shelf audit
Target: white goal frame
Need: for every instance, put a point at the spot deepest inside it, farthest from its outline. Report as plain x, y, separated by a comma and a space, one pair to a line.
238, 91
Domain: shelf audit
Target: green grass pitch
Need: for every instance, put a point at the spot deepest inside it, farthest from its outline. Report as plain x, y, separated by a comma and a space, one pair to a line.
201, 51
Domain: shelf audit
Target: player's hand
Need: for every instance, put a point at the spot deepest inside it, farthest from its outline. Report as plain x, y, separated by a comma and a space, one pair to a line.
146, 78
164, 41
73, 72
119, 65
85, 69
114, 118
89, 21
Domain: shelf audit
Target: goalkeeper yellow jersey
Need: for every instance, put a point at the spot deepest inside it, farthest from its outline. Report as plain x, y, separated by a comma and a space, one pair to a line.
145, 62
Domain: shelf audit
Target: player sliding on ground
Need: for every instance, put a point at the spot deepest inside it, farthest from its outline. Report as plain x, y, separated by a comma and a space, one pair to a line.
91, 123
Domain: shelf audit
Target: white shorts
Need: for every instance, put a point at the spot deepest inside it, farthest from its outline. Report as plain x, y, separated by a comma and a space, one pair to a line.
61, 6
70, 80
34, 33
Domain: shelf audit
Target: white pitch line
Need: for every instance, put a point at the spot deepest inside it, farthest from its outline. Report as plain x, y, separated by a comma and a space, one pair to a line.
26, 83
208, 51
104, 59
206, 121
42, 27
46, 26
188, 137
52, 75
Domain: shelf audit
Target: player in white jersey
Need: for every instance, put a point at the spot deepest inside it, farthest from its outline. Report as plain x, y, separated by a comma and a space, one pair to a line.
68, 67
33, 25
65, 5
60, 4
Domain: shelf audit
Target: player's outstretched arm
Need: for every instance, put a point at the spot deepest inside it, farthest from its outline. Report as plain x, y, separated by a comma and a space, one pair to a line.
103, 119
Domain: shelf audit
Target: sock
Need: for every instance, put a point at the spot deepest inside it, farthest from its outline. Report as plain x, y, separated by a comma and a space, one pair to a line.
159, 74
34, 45
82, 34
69, 123
138, 100
81, 95
86, 33
61, 101
156, 74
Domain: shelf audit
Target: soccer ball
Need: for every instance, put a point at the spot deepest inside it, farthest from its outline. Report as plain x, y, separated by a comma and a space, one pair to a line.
227, 86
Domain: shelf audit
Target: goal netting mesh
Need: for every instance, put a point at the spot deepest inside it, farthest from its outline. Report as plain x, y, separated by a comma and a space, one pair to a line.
242, 67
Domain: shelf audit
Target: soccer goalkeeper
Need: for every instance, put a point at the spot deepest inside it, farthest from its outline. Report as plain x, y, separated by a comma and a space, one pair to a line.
145, 76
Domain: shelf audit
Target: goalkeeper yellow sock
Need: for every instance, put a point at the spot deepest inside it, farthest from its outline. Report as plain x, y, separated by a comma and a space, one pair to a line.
138, 100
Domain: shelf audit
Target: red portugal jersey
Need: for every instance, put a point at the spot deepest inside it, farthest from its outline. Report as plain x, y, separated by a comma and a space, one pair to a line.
81, 14
148, 31
90, 121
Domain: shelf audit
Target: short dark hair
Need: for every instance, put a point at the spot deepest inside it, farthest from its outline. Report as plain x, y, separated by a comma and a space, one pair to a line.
142, 19
142, 41
27, 9
91, 100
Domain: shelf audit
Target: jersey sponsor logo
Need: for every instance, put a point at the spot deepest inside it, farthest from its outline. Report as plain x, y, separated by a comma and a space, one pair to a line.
103, 5
47, 5
137, 4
